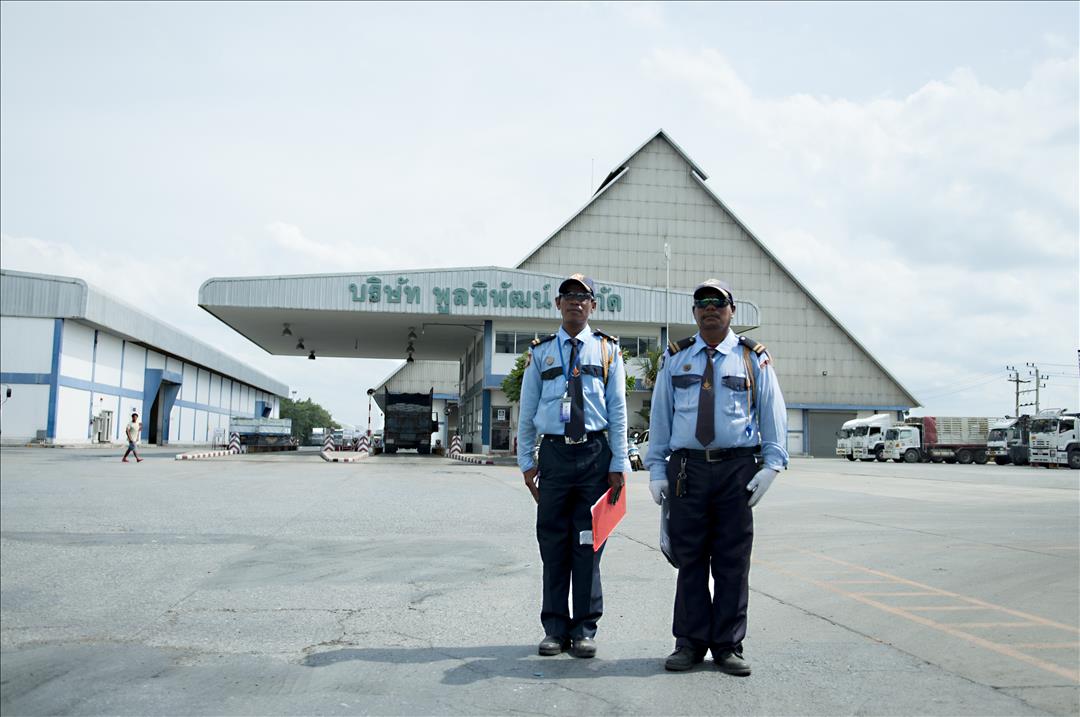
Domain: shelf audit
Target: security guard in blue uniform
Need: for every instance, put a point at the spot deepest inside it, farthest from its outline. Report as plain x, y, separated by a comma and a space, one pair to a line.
573, 394
717, 431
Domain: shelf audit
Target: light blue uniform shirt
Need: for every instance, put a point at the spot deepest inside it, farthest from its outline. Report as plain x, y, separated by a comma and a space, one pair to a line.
673, 414
605, 406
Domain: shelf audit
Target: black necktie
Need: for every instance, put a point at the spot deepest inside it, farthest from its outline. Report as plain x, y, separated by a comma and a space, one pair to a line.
706, 406
575, 429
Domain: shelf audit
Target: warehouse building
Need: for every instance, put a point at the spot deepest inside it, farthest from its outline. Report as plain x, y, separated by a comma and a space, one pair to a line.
651, 232
79, 362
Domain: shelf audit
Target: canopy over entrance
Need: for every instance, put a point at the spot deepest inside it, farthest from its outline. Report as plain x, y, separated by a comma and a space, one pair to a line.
373, 315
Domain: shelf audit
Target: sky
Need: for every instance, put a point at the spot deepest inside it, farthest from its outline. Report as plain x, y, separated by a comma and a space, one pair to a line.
915, 165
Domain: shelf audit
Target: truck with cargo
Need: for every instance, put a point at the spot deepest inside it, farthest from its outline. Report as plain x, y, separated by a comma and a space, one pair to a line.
1009, 441
1054, 439
843, 439
409, 421
868, 437
263, 434
346, 438
952, 439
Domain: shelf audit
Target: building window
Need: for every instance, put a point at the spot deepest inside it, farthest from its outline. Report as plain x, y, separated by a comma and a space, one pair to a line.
523, 341
638, 345
504, 342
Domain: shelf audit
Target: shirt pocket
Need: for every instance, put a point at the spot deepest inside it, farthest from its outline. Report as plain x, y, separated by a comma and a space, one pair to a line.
553, 388
686, 388
736, 402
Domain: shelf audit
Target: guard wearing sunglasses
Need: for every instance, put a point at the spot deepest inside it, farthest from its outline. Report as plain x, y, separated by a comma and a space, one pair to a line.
573, 400
717, 431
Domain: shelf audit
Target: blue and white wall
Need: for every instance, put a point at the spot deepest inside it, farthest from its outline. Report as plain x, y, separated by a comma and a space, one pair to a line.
63, 373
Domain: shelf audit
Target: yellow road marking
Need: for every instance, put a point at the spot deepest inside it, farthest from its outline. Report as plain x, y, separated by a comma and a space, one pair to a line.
993, 624
1048, 645
928, 608
999, 648
965, 598
904, 594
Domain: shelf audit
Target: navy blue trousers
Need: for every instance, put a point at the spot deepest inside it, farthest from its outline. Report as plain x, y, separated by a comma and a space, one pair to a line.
572, 479
712, 530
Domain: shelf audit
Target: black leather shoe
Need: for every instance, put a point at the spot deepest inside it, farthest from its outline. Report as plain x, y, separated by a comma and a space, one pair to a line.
553, 645
584, 647
732, 663
683, 659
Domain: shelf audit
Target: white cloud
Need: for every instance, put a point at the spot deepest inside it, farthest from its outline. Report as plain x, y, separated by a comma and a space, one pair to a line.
951, 213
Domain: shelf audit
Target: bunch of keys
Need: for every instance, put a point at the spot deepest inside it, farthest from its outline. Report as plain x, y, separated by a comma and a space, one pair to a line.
680, 480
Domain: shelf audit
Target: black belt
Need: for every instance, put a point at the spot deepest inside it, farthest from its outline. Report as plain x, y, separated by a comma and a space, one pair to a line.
713, 455
564, 439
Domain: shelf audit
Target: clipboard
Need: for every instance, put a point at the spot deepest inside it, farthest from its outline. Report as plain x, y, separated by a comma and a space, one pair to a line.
606, 516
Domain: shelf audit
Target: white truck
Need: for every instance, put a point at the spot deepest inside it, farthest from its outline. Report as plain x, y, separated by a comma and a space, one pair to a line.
1009, 441
952, 439
1054, 439
868, 437
843, 439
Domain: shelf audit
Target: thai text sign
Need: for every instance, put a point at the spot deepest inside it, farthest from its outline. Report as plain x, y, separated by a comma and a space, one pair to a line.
375, 291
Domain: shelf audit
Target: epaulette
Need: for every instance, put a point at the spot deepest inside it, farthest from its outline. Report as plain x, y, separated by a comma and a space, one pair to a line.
674, 348
601, 334
542, 340
752, 345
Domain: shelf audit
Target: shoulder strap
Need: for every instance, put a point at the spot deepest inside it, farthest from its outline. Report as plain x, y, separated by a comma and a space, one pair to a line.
674, 348
542, 340
748, 346
749, 376
606, 357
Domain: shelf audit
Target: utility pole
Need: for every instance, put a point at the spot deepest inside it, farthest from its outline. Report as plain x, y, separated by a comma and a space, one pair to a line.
1015, 378
1038, 383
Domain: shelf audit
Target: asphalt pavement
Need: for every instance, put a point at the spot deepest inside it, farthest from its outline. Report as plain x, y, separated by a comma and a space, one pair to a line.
282, 584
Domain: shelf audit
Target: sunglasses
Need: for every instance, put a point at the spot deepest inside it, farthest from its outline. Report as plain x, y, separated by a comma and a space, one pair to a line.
577, 296
717, 301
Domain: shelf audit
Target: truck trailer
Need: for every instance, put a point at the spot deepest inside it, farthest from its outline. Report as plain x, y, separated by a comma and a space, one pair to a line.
952, 439
409, 421
263, 434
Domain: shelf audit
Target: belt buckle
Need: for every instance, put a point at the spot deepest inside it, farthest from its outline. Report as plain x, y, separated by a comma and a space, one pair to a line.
571, 442
719, 452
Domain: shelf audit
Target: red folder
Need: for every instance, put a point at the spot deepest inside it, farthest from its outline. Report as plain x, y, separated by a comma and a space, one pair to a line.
606, 516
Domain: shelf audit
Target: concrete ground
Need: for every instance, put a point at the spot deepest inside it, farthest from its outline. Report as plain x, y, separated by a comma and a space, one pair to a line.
282, 584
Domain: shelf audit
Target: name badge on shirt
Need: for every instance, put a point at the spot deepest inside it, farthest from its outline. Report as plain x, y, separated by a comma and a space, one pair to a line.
564, 409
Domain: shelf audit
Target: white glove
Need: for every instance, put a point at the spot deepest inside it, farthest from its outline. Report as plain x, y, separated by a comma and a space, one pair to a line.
658, 488
759, 484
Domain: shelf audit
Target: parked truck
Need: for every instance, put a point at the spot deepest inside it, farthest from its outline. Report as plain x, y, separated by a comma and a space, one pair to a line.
952, 439
868, 437
409, 422
346, 438
263, 434
1009, 441
843, 439
1054, 439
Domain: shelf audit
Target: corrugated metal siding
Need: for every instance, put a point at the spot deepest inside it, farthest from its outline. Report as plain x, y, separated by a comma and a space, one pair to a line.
660, 199
422, 376
39, 295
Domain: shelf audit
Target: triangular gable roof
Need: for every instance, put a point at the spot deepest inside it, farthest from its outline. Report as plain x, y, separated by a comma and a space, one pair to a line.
700, 176
614, 176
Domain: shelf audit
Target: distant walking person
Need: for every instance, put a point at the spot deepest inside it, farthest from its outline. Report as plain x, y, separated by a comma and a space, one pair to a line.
133, 431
